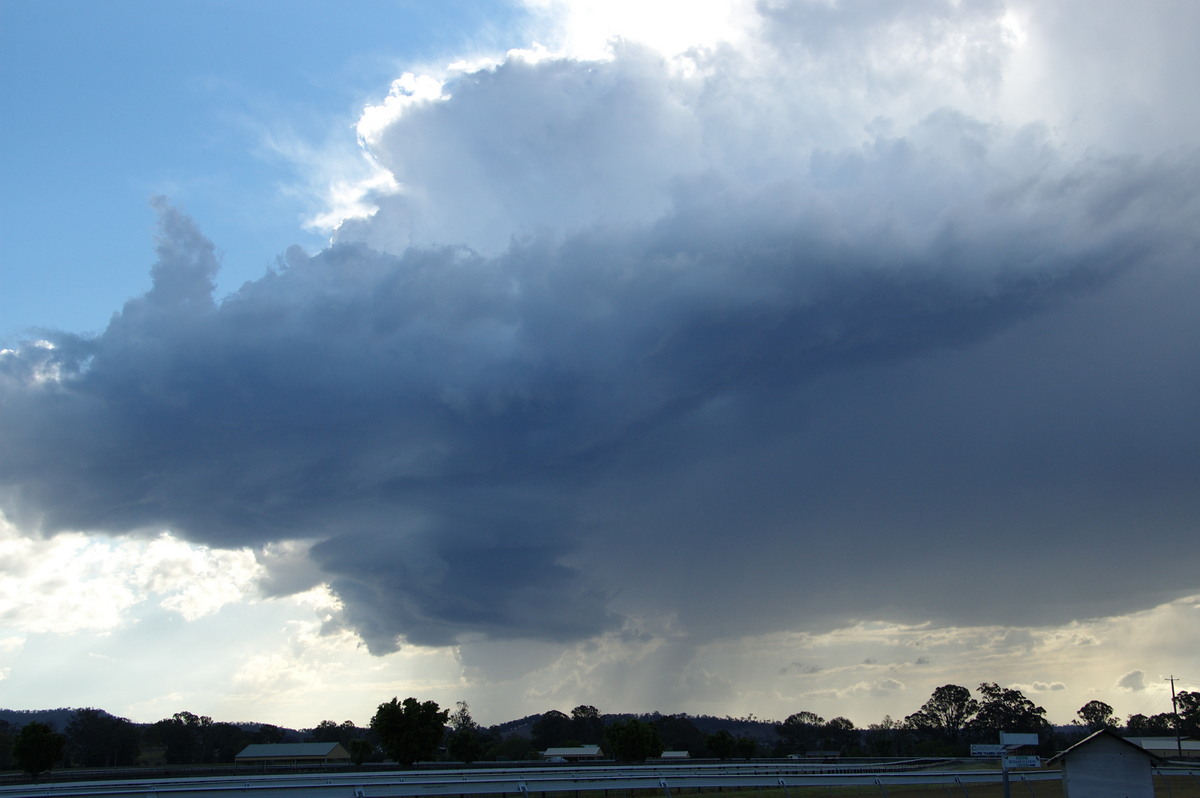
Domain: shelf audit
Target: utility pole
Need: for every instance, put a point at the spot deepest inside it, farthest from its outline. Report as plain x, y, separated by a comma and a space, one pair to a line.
1175, 712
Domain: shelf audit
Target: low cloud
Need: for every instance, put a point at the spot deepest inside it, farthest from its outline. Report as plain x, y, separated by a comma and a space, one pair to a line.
1134, 681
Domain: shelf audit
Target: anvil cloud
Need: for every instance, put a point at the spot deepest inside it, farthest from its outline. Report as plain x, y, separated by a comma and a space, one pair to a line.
817, 327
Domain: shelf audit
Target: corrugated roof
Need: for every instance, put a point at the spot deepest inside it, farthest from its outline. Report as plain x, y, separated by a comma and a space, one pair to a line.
291, 750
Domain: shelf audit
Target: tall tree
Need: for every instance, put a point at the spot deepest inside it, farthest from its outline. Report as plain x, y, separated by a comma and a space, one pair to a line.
801, 731
1003, 709
721, 744
185, 737
587, 725
465, 742
839, 734
97, 739
552, 730
1096, 715
37, 747
945, 714
410, 731
632, 740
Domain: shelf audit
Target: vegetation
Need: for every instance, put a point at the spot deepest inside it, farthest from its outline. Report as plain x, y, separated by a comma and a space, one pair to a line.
410, 731
37, 747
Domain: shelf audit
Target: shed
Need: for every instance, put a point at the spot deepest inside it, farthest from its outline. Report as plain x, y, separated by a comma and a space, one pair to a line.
1106, 765
573, 753
1169, 747
293, 754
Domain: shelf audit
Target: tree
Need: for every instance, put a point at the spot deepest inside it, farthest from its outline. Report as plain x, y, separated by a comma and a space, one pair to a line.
801, 731
360, 751
1188, 705
1096, 715
7, 733
586, 724
945, 714
37, 747
410, 731
746, 747
1008, 710
721, 744
632, 740
679, 733
1154, 726
551, 730
269, 733
185, 738
465, 743
839, 734
97, 739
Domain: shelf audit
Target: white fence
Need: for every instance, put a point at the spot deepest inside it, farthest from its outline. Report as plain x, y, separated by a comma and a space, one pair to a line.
523, 782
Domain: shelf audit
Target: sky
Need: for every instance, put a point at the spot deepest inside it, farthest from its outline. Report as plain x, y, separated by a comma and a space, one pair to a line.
732, 358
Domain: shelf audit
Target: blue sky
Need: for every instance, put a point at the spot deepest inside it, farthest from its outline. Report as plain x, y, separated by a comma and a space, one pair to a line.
719, 357
108, 104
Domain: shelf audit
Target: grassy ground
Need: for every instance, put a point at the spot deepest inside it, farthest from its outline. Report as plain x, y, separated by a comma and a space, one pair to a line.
1174, 787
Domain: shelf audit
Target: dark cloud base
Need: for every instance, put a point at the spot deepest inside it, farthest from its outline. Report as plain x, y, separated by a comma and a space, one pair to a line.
762, 400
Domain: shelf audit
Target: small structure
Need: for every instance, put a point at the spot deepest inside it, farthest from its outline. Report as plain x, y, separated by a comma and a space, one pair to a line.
1106, 765
573, 754
1168, 747
293, 754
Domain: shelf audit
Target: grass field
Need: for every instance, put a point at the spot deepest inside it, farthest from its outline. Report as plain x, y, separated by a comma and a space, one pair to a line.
1173, 787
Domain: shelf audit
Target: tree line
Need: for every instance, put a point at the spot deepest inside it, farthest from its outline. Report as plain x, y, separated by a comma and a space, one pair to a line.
411, 731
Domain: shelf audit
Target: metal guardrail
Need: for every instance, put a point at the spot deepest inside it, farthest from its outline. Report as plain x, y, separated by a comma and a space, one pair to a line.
519, 782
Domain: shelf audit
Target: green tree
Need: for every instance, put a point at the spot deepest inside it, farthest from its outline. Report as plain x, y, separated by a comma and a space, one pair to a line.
801, 731
839, 734
945, 714
721, 744
587, 725
360, 751
97, 739
1188, 704
37, 747
552, 730
185, 738
746, 747
1154, 726
513, 748
268, 733
465, 742
679, 733
410, 731
1096, 715
1003, 709
632, 740
7, 733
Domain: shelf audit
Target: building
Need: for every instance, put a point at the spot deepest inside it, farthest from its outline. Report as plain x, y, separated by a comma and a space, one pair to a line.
1168, 747
573, 754
1106, 765
293, 754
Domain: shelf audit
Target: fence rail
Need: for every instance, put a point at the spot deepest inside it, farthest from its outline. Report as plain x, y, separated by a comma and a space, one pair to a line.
520, 782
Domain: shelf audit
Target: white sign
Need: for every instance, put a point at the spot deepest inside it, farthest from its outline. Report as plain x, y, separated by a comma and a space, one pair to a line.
987, 750
1013, 739
1022, 762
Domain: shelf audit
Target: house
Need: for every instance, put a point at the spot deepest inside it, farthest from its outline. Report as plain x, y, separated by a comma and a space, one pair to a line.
1106, 765
573, 754
293, 754
1167, 747
674, 755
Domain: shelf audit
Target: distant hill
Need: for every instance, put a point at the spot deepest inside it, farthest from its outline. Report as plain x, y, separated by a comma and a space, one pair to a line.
58, 718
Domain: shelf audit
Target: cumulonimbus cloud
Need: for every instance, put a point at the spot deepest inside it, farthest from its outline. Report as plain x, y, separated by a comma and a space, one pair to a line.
630, 351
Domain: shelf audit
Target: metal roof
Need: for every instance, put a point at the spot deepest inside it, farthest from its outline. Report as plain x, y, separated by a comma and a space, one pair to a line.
293, 751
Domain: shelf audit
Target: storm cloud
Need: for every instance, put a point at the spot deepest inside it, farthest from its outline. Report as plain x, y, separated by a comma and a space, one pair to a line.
719, 338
